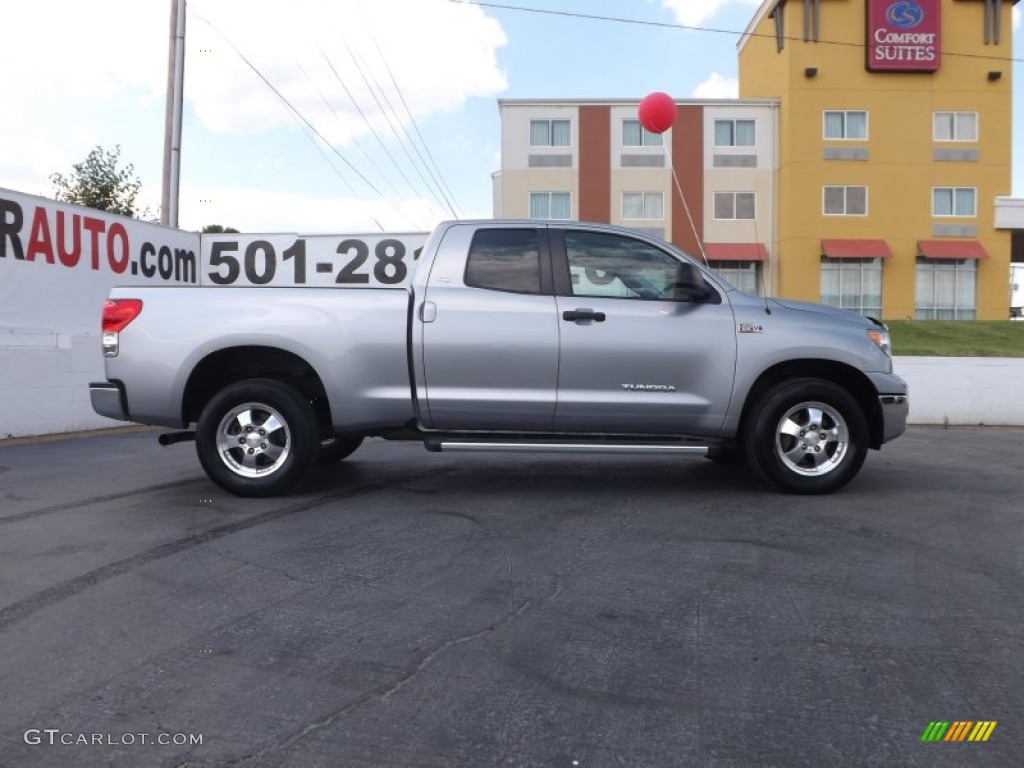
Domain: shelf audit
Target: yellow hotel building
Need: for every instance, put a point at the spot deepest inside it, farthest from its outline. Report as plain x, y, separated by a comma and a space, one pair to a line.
894, 141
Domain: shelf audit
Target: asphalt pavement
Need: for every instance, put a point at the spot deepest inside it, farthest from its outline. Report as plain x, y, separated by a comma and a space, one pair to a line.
413, 609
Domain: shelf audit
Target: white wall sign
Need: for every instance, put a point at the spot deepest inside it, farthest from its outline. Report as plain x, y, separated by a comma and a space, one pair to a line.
320, 261
58, 261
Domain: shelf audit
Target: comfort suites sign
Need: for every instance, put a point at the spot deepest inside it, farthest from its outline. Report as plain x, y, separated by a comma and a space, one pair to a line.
904, 35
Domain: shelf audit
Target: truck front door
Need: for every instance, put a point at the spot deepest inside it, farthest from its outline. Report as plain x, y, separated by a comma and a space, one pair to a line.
636, 357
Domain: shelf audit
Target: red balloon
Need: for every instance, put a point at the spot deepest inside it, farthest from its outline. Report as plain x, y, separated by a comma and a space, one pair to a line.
657, 112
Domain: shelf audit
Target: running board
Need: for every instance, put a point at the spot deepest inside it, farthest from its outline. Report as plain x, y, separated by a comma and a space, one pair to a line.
551, 446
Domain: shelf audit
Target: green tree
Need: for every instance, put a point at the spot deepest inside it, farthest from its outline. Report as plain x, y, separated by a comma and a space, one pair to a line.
97, 182
217, 229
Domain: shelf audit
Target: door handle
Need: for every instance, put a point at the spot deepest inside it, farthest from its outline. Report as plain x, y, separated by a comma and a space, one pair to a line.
575, 315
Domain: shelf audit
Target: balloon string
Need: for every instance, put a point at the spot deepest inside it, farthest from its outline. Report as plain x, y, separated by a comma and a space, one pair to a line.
686, 207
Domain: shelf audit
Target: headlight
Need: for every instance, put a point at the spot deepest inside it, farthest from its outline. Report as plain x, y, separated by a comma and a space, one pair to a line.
881, 339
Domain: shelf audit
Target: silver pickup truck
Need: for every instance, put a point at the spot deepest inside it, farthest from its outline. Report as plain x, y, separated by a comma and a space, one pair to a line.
513, 336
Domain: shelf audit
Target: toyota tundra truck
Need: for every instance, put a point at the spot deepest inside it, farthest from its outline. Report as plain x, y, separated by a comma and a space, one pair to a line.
509, 336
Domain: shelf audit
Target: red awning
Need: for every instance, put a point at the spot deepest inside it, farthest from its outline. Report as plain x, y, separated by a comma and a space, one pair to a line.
736, 251
951, 249
856, 249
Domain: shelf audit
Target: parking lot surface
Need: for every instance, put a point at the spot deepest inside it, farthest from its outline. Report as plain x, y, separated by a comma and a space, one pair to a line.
413, 609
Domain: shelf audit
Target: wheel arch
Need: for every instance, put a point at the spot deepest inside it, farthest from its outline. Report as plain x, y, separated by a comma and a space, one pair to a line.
226, 366
842, 375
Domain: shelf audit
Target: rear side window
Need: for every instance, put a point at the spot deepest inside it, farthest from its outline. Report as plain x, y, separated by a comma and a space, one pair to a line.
504, 260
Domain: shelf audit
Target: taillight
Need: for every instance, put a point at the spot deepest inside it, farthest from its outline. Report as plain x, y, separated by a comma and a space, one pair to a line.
117, 313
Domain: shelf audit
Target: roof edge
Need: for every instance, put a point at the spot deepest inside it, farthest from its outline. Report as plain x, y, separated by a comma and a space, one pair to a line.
765, 8
632, 102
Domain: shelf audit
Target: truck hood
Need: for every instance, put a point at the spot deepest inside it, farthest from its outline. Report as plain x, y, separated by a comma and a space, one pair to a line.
821, 309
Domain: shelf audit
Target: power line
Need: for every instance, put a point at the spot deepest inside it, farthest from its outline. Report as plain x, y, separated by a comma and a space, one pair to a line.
302, 117
337, 117
363, 67
442, 185
384, 113
449, 197
366, 120
697, 28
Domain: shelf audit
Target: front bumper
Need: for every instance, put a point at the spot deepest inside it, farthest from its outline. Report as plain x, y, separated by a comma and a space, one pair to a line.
894, 415
894, 404
108, 399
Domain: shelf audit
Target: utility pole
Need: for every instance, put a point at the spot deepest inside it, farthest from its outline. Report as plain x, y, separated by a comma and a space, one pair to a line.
172, 121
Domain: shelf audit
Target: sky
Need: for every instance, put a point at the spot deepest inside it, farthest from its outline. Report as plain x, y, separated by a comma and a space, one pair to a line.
393, 122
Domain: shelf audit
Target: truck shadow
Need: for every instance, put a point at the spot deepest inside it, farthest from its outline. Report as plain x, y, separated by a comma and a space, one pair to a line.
537, 476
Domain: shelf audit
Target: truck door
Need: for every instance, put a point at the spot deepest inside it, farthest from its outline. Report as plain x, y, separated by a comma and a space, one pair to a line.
635, 356
489, 331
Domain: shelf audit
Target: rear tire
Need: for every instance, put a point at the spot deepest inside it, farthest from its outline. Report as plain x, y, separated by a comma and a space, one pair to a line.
807, 436
257, 437
334, 449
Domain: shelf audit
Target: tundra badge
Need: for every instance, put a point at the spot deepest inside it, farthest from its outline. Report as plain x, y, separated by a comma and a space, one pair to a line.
649, 387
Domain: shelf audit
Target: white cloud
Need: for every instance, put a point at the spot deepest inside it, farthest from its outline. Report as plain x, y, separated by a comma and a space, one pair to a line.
439, 53
76, 76
717, 86
695, 12
252, 209
64, 49
60, 58
1017, 15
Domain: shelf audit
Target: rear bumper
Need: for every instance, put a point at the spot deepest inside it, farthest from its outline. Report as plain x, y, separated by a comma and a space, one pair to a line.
108, 399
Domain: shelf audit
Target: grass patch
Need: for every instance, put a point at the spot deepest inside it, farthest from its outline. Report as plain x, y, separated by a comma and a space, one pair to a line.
957, 338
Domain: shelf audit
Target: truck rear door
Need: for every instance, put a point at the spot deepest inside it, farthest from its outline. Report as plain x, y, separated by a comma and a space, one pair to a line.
487, 331
635, 358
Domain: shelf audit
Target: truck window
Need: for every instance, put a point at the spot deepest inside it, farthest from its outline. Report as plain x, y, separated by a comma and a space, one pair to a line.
504, 260
612, 266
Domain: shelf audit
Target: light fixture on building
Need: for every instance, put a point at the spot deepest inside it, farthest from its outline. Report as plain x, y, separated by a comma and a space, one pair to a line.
810, 71
994, 75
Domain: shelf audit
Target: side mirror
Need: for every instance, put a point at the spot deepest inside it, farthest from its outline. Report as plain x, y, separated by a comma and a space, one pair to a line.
689, 284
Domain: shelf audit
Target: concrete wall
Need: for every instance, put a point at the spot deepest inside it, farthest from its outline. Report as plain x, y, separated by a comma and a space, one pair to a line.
44, 382
964, 390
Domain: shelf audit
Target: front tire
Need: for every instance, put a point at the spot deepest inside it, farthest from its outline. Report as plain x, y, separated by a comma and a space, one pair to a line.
727, 455
807, 436
257, 437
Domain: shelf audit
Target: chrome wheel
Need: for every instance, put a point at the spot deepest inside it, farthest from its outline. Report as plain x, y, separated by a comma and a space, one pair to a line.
811, 439
253, 440
806, 435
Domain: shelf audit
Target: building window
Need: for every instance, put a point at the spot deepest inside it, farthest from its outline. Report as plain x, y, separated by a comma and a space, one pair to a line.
635, 135
955, 126
744, 275
643, 205
954, 201
845, 201
734, 133
734, 205
846, 124
549, 133
854, 284
945, 289
550, 205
